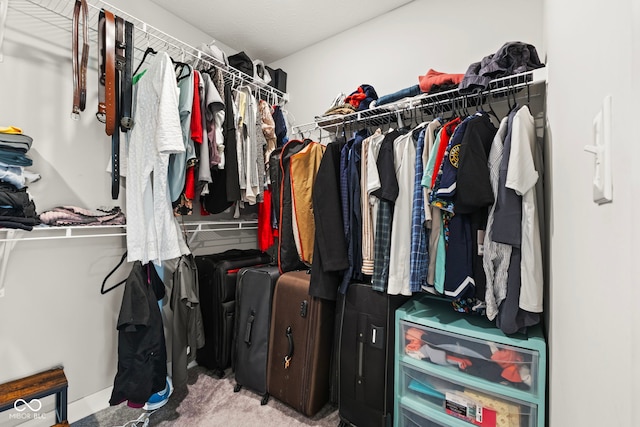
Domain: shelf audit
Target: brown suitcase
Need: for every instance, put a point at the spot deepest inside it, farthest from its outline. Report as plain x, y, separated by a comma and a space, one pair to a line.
300, 343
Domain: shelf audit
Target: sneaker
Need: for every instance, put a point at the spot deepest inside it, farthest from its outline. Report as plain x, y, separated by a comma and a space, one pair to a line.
159, 399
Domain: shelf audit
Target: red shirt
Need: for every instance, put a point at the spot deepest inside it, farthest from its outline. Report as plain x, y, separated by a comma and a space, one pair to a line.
196, 112
444, 141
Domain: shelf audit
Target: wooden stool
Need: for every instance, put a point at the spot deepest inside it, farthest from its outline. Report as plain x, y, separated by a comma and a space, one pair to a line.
35, 387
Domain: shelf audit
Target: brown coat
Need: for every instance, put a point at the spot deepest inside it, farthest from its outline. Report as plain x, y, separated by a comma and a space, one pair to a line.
304, 168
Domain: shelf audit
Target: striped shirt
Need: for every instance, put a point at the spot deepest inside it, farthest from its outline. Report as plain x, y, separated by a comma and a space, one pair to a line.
496, 255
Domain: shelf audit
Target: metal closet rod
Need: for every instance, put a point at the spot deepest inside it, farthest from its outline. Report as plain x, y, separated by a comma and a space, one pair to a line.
64, 9
88, 231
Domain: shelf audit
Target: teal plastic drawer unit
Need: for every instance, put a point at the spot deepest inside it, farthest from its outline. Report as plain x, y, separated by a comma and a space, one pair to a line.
411, 418
458, 370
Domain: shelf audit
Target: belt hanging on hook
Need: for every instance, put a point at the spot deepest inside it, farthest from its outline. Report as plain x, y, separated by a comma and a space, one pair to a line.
79, 59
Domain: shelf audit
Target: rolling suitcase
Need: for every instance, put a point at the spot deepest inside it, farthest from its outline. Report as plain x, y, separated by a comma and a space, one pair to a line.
254, 295
217, 276
299, 345
365, 356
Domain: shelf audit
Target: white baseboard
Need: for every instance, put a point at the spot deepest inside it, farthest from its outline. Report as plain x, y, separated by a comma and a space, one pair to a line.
89, 405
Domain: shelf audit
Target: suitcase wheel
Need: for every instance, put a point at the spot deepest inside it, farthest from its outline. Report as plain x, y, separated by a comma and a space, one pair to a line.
219, 373
265, 399
237, 388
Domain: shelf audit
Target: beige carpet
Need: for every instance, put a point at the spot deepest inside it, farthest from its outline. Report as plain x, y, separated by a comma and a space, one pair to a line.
209, 402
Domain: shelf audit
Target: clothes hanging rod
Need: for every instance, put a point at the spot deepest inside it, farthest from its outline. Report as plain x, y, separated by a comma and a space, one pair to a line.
89, 231
57, 14
425, 101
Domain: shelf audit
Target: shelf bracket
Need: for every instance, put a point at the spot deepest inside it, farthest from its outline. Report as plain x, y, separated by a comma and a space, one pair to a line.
7, 247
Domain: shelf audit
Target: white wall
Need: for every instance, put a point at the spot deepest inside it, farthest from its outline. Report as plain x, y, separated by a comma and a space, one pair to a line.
593, 289
391, 51
53, 313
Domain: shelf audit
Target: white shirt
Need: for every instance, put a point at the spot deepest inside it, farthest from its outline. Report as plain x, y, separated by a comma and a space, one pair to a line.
522, 177
153, 234
404, 152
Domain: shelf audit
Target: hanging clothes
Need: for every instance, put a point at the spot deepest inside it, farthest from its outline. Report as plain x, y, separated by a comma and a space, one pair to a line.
495, 255
288, 259
153, 234
419, 261
368, 162
178, 161
232, 171
387, 195
330, 248
247, 145
142, 355
187, 330
350, 194
404, 163
304, 168
511, 318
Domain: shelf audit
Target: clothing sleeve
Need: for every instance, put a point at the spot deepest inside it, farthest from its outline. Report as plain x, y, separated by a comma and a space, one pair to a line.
168, 135
133, 311
521, 171
328, 213
473, 184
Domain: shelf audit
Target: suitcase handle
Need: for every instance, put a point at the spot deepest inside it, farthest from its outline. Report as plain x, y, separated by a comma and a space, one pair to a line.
247, 332
287, 358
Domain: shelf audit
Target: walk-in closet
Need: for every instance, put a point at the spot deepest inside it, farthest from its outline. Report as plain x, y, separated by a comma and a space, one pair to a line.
403, 213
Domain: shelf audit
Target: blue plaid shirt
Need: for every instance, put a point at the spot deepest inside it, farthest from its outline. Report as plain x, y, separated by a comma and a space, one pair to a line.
382, 246
419, 260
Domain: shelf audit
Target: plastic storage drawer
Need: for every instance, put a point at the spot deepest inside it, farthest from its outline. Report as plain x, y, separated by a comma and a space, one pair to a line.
498, 363
467, 403
410, 418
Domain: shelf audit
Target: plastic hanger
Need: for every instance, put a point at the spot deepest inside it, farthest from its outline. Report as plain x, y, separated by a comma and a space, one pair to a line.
146, 52
491, 111
104, 282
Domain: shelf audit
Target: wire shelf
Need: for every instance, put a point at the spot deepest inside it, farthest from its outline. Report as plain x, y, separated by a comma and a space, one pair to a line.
44, 232
50, 20
498, 90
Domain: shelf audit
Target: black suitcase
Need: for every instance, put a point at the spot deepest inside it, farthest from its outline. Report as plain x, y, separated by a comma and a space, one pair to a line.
254, 295
365, 356
217, 276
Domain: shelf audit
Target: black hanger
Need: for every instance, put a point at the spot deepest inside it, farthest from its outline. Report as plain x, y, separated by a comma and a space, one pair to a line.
104, 282
146, 52
179, 68
491, 111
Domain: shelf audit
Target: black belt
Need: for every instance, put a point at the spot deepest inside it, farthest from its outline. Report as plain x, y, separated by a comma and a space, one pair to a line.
115, 38
126, 118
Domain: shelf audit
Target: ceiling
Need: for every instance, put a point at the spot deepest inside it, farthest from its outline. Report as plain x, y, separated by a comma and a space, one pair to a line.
271, 30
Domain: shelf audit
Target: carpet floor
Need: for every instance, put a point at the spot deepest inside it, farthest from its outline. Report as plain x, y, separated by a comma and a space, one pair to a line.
208, 401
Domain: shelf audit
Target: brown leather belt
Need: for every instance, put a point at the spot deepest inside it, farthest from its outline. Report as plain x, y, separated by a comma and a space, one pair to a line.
115, 38
107, 73
80, 63
101, 115
110, 71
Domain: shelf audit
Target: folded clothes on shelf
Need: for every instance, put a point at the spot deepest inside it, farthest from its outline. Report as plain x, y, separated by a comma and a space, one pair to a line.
72, 215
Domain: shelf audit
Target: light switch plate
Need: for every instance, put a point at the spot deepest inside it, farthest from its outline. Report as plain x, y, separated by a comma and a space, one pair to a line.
601, 148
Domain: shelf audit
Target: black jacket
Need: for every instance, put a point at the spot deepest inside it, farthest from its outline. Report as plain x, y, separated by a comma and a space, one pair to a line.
142, 355
330, 253
288, 258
